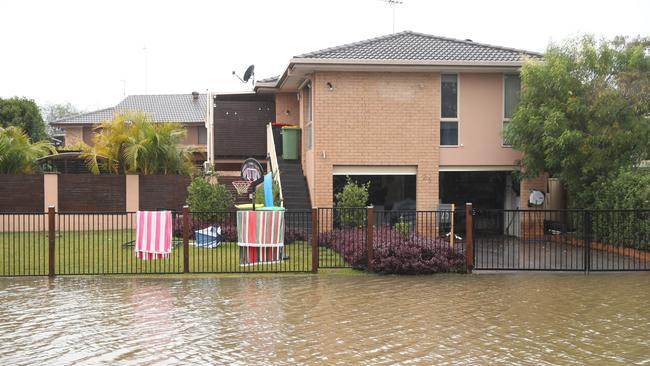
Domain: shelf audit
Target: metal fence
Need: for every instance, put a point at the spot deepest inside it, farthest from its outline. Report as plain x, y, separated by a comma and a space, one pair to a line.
82, 243
562, 240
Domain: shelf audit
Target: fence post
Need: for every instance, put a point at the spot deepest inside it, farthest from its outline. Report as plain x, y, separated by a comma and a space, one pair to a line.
51, 236
314, 240
370, 216
186, 239
586, 227
469, 238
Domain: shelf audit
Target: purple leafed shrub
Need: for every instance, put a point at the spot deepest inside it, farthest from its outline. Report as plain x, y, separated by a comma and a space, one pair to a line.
394, 253
292, 235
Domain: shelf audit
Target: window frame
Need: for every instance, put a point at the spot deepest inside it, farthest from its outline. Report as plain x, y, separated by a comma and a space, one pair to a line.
198, 135
309, 115
505, 120
450, 119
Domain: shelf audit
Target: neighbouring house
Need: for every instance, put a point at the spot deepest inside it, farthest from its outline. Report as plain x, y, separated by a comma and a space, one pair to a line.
187, 109
419, 116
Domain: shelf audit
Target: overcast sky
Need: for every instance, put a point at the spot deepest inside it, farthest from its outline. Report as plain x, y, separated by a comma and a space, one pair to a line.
89, 52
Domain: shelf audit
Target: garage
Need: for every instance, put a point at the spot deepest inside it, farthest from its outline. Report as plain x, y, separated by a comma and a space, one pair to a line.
392, 188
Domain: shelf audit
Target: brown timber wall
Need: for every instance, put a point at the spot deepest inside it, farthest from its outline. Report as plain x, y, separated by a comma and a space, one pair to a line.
240, 127
21, 193
89, 193
163, 192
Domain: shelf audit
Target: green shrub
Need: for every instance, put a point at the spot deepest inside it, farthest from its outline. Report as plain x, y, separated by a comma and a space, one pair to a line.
628, 189
259, 194
205, 198
403, 227
349, 201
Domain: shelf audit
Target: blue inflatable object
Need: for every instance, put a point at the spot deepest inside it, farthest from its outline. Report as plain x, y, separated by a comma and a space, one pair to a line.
268, 190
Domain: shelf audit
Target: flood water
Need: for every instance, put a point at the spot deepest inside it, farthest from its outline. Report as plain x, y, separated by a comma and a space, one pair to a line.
535, 319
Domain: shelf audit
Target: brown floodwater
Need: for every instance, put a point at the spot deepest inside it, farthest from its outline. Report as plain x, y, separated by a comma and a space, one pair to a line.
533, 319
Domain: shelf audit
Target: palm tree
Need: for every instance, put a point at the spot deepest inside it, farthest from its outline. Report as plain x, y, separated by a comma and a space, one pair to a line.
18, 154
131, 143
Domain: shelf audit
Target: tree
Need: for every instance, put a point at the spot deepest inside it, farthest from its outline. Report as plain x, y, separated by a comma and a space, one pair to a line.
54, 112
24, 114
205, 199
583, 113
131, 143
351, 201
18, 154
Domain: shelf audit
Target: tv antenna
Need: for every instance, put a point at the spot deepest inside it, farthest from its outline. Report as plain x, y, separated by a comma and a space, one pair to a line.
392, 4
249, 74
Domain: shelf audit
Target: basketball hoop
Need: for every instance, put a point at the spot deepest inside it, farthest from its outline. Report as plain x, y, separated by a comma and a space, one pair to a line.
241, 186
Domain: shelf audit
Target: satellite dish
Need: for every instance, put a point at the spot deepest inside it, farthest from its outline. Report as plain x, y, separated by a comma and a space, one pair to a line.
248, 74
536, 198
250, 71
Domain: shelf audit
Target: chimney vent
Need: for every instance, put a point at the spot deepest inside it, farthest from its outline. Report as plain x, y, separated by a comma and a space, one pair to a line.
195, 95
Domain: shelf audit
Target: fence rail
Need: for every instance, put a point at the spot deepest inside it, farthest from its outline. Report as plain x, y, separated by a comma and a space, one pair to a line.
88, 243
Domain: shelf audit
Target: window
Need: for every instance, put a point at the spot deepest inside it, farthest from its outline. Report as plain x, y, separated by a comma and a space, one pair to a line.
449, 110
511, 90
203, 135
308, 115
448, 133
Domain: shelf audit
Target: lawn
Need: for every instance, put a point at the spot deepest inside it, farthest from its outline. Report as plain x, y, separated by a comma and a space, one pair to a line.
95, 252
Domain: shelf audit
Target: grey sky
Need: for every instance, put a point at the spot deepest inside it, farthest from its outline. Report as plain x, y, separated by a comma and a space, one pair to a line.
80, 51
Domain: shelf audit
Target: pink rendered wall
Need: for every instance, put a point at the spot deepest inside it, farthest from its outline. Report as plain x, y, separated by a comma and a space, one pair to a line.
480, 109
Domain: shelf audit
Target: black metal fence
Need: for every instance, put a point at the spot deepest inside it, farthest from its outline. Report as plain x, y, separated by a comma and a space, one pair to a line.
562, 240
76, 243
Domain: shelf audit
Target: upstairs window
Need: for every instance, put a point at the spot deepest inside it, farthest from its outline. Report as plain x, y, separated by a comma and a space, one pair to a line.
511, 91
203, 135
449, 110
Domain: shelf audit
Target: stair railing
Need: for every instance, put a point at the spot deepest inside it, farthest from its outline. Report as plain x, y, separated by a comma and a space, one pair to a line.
270, 152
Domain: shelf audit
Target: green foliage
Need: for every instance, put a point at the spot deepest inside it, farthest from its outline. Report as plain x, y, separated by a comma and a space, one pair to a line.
259, 194
583, 112
131, 143
205, 198
628, 189
402, 227
349, 201
24, 114
18, 154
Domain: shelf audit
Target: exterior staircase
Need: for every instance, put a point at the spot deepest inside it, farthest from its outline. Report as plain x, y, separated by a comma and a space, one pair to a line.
294, 185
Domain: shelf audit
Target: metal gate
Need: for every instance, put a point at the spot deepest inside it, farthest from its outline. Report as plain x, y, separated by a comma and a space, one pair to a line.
562, 240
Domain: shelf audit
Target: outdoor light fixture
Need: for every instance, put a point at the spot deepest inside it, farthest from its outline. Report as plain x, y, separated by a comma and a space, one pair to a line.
330, 86
287, 112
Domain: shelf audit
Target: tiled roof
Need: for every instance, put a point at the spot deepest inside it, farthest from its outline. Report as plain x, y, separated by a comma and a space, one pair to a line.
87, 118
271, 79
182, 108
412, 46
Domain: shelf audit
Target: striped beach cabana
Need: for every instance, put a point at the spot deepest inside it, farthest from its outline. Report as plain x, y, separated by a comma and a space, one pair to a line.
260, 236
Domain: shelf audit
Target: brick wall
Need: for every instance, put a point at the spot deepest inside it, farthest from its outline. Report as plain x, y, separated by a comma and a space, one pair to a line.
287, 108
532, 224
73, 135
389, 119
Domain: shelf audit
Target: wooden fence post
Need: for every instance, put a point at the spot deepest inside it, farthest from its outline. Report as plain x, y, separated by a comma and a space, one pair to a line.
469, 235
186, 239
51, 236
314, 240
370, 224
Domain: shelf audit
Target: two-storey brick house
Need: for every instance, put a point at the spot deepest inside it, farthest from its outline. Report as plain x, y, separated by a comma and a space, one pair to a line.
419, 116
